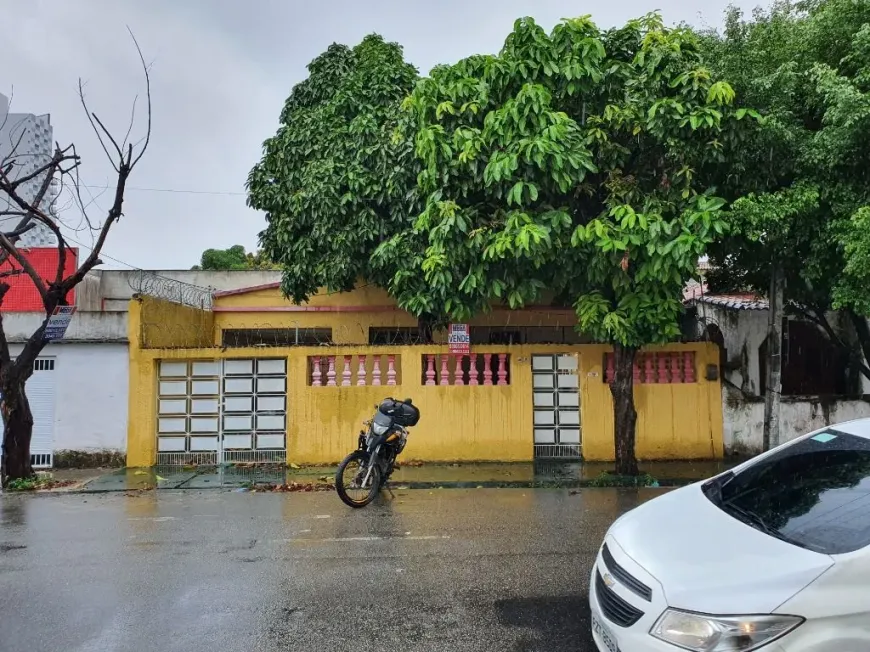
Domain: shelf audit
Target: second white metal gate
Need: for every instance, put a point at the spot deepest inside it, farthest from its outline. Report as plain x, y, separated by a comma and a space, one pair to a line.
556, 406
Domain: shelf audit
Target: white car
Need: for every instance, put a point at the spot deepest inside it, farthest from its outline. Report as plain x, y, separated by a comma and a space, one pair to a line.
772, 555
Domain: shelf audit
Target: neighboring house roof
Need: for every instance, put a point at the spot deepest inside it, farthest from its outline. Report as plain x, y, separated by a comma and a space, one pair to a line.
247, 290
746, 301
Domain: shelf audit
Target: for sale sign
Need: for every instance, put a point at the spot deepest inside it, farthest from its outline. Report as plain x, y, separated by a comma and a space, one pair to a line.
459, 339
58, 322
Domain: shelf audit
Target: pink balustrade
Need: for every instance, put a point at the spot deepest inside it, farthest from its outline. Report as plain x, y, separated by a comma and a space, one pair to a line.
355, 370
459, 370
662, 368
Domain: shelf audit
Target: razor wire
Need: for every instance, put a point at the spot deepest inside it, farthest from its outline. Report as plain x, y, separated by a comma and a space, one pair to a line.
168, 289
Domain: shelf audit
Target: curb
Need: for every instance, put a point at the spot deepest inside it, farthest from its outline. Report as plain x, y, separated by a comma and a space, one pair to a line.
666, 483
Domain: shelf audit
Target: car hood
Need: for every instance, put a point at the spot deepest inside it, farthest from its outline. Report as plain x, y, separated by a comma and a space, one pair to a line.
708, 561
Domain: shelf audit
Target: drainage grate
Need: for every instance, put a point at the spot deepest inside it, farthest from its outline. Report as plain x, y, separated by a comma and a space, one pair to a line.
184, 459
557, 451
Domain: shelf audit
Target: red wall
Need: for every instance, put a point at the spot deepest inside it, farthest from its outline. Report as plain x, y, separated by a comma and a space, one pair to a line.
22, 295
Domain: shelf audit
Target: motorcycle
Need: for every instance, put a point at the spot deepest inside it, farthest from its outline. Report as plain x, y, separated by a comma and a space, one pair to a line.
367, 469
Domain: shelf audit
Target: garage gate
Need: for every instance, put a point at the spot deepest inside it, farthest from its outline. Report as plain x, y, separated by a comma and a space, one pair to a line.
41, 390
212, 412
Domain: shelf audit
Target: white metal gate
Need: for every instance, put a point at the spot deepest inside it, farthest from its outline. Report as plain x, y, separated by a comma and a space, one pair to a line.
556, 406
211, 412
41, 390
254, 410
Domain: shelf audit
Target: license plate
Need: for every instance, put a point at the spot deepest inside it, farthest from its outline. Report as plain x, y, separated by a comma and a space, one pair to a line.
603, 633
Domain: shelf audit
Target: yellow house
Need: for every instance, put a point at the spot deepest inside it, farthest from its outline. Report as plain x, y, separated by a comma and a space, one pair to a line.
254, 377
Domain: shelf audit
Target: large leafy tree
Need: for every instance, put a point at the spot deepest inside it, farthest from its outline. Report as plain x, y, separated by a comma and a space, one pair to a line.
572, 165
234, 258
801, 182
333, 181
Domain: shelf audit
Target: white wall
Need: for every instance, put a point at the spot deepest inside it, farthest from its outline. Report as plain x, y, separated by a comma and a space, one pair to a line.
744, 420
84, 326
91, 395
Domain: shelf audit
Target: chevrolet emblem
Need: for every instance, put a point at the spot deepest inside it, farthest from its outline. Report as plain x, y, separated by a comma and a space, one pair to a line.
609, 581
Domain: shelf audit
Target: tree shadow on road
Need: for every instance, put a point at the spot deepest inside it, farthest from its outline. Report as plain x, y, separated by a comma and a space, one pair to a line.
557, 624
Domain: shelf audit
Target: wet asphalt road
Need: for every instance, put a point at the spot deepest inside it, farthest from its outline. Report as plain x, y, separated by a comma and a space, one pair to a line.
457, 570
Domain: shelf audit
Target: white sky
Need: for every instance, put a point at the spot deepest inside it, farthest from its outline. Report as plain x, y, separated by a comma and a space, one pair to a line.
221, 70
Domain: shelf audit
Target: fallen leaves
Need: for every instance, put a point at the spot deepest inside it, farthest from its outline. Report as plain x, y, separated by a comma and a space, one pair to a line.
292, 487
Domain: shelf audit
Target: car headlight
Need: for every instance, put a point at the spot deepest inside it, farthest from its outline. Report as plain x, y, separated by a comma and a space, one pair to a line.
378, 429
701, 633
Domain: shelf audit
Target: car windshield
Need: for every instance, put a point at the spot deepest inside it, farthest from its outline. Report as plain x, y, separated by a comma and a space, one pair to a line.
814, 493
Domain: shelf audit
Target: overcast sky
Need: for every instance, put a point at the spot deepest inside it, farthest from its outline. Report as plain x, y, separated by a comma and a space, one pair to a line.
221, 70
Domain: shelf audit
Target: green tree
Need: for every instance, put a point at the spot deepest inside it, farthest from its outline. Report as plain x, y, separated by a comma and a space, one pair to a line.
234, 258
801, 181
571, 165
332, 180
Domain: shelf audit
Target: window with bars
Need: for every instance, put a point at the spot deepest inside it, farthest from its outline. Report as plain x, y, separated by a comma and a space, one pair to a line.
244, 337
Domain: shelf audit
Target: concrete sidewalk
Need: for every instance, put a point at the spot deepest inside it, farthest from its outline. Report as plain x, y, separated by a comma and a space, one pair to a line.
428, 476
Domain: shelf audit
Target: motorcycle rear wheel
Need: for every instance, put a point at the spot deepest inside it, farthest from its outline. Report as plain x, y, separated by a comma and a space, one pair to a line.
374, 480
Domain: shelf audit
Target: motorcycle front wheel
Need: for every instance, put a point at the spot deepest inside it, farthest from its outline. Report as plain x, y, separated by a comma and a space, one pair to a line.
355, 485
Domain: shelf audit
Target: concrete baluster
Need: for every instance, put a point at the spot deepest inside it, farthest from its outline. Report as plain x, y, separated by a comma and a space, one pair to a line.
316, 375
649, 371
330, 372
472, 370
662, 360
376, 371
689, 366
345, 375
502, 368
676, 368
391, 370
458, 373
430, 369
444, 377
361, 371
487, 368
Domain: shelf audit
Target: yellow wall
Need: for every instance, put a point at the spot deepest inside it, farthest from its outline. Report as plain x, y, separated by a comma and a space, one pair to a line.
158, 324
458, 422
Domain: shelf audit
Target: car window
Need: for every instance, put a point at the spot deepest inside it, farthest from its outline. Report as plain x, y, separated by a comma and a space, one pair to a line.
814, 493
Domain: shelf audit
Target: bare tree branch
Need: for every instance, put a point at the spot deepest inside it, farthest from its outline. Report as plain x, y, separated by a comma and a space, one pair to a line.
8, 106
20, 231
132, 122
13, 251
94, 126
124, 166
145, 69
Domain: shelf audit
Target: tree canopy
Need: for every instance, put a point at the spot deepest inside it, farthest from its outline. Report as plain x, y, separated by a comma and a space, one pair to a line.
234, 258
575, 167
573, 163
800, 183
333, 181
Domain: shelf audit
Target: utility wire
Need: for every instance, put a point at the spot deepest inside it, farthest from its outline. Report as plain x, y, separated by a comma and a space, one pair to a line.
180, 191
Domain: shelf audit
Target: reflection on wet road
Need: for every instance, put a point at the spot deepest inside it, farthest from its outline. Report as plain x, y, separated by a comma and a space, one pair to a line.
445, 570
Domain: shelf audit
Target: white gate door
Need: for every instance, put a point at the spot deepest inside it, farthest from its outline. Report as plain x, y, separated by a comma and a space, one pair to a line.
556, 406
41, 390
254, 418
188, 412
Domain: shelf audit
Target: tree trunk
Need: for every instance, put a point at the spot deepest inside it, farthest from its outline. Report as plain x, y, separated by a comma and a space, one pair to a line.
624, 413
425, 326
17, 430
773, 388
862, 330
